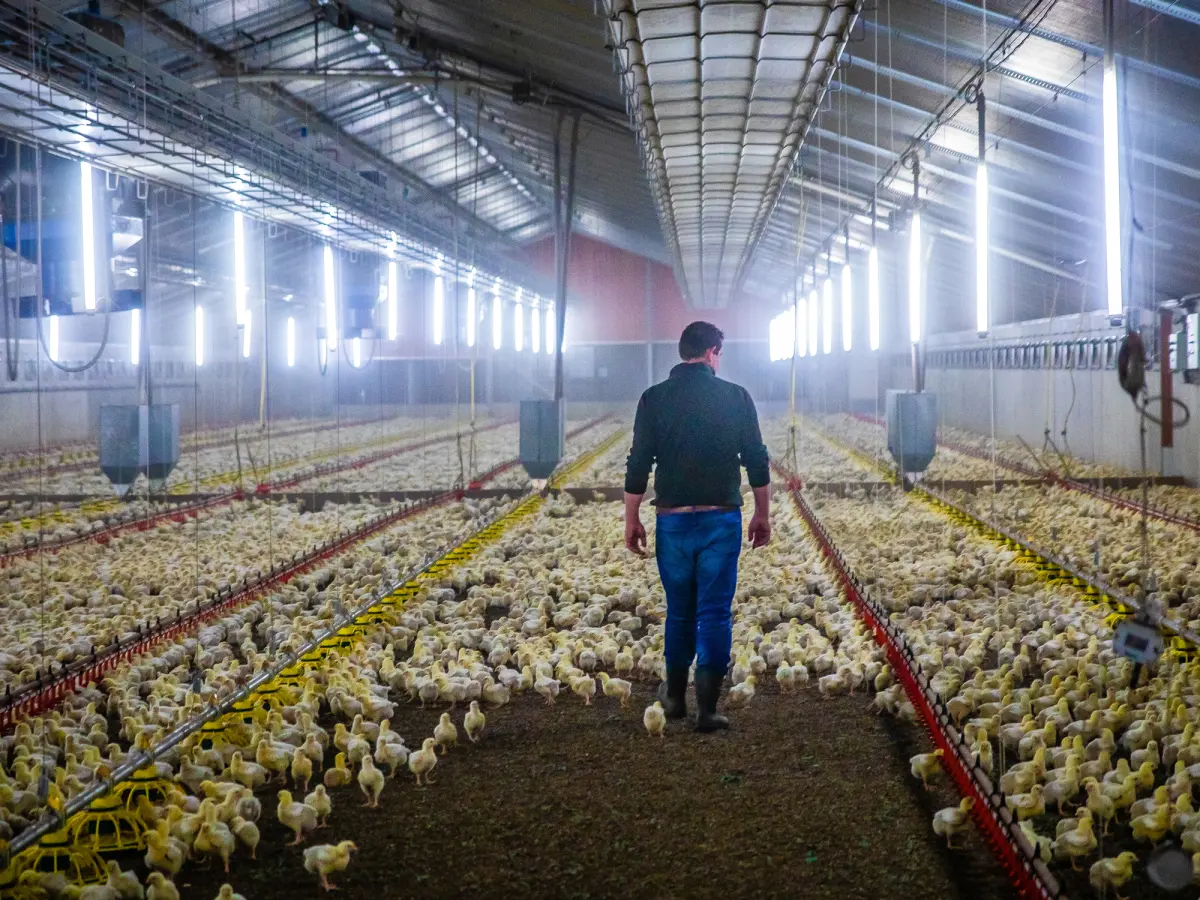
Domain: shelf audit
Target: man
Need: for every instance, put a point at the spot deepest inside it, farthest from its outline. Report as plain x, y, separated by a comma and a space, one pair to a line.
700, 431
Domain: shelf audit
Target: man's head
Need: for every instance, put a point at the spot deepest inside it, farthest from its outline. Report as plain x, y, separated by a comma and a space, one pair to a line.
701, 342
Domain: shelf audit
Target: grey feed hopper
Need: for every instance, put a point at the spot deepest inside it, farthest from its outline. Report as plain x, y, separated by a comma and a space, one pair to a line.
139, 440
543, 424
912, 430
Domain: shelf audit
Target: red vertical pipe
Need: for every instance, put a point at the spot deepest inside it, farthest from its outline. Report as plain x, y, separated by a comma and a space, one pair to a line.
1165, 336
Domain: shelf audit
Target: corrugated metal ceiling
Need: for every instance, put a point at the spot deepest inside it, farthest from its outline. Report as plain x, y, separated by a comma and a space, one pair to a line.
722, 94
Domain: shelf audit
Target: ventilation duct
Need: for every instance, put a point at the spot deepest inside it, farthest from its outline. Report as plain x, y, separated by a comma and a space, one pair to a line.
722, 95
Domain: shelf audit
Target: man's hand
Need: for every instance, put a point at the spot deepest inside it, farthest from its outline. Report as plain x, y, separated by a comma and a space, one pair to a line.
759, 531
635, 535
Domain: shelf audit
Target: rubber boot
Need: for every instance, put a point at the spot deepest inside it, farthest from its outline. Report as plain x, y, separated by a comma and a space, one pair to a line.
708, 691
673, 692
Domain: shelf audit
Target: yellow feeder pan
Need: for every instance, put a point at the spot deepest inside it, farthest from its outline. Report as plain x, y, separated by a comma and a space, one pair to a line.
244, 712
291, 675
107, 827
145, 782
57, 854
212, 735
267, 697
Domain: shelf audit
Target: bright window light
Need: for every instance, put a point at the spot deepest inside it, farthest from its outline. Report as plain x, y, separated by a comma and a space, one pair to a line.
497, 320
827, 316
356, 348
981, 248
246, 334
551, 328
393, 301
813, 332
330, 301
291, 342
801, 328
53, 342
439, 309
518, 325
199, 336
535, 329
1112, 190
135, 336
914, 278
781, 335
239, 266
847, 308
873, 297
88, 231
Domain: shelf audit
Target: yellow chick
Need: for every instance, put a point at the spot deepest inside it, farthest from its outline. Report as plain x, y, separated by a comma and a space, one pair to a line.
983, 755
548, 688
1078, 842
124, 885
926, 765
585, 687
1112, 872
655, 719
215, 839
320, 801
227, 893
299, 818
338, 775
474, 721
1027, 805
371, 780
740, 695
445, 734
273, 758
1152, 826
163, 852
422, 761
302, 769
952, 820
324, 859
247, 774
616, 687
246, 833
159, 887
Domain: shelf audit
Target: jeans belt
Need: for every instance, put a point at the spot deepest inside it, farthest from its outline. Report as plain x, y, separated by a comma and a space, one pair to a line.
671, 510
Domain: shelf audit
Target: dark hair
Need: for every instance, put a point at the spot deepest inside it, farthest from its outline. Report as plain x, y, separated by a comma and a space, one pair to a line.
698, 338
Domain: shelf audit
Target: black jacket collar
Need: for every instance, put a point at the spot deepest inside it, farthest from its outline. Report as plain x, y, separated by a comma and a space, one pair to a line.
699, 369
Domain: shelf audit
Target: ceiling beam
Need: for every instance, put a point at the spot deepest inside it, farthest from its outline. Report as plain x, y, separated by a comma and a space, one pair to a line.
227, 63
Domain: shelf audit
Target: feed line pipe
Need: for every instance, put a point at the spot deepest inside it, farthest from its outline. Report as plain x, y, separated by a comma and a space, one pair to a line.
562, 220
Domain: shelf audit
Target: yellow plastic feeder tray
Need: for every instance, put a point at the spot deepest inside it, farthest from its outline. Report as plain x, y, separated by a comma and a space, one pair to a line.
267, 697
107, 827
242, 712
144, 783
57, 853
212, 735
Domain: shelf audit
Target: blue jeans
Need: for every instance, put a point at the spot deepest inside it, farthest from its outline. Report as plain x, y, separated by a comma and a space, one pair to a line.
697, 555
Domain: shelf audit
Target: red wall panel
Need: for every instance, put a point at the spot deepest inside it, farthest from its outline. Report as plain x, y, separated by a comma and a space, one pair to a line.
607, 297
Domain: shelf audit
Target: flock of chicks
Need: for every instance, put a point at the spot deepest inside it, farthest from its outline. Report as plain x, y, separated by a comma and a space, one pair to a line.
208, 469
214, 464
553, 606
1026, 670
1030, 679
96, 592
214, 808
1102, 540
